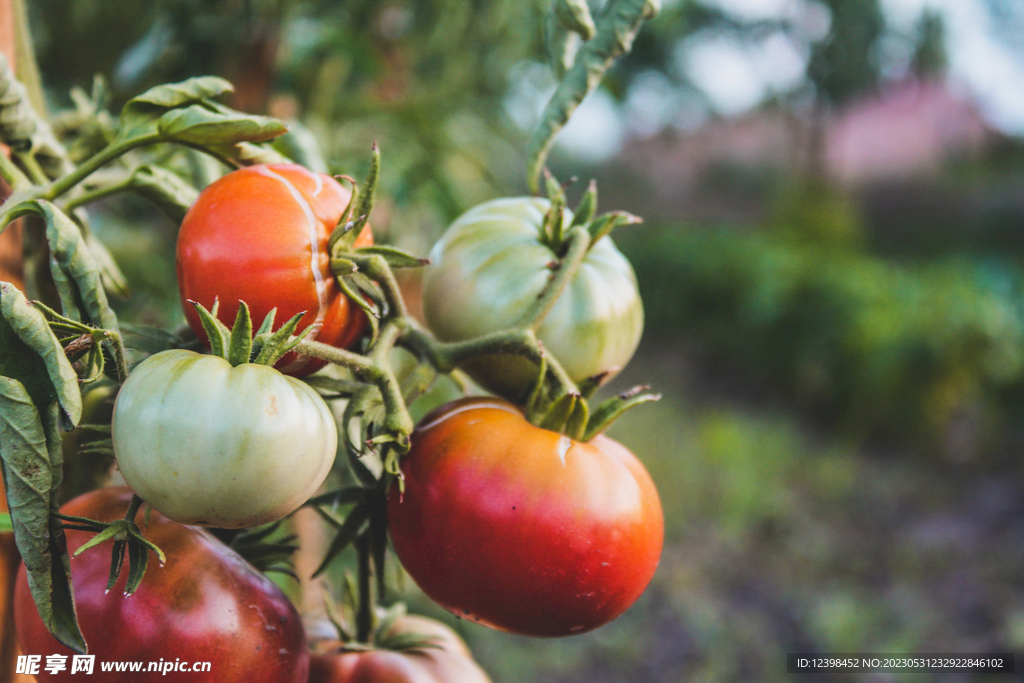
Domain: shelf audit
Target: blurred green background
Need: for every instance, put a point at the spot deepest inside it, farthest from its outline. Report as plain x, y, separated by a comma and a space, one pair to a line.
831, 266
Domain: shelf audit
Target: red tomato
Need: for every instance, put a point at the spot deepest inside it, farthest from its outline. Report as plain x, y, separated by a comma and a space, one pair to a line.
259, 234
449, 662
205, 605
520, 528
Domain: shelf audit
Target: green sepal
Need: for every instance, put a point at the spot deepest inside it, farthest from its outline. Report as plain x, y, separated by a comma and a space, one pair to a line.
335, 499
396, 258
591, 384
605, 223
216, 331
559, 413
116, 563
346, 534
336, 615
197, 125
587, 207
535, 407
612, 409
576, 425
366, 197
240, 344
268, 556
267, 326
138, 559
553, 227
345, 223
354, 285
281, 342
388, 620
410, 642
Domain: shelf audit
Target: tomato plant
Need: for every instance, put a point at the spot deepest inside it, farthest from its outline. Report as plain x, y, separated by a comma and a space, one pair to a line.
445, 659
205, 605
259, 235
207, 443
490, 267
521, 528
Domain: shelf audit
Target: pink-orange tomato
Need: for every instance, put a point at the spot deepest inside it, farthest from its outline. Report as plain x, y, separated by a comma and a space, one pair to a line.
520, 528
259, 235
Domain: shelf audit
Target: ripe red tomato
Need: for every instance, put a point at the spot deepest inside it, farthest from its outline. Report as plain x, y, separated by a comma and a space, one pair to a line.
520, 528
448, 662
205, 605
259, 234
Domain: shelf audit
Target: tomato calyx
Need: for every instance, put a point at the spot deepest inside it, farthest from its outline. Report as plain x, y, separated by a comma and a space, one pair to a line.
553, 232
569, 413
358, 271
384, 634
127, 538
240, 345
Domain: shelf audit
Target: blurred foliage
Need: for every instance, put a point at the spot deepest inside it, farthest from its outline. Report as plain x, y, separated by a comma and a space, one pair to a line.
922, 351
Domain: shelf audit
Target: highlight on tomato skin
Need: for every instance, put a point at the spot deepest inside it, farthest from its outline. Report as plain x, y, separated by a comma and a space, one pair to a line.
542, 535
259, 235
206, 604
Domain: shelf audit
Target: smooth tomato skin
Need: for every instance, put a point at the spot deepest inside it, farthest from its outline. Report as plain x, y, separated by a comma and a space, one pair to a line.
205, 605
520, 528
449, 662
259, 234
210, 444
488, 269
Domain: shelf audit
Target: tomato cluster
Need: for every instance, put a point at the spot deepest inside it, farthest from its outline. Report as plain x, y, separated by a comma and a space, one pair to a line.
524, 528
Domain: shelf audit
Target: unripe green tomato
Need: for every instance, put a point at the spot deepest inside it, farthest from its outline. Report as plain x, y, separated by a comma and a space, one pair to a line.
488, 269
206, 443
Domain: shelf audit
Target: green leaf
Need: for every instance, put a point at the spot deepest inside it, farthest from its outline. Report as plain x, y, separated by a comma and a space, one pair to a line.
74, 268
576, 425
28, 345
198, 125
249, 154
619, 23
140, 114
148, 339
167, 190
171, 95
347, 533
605, 223
30, 447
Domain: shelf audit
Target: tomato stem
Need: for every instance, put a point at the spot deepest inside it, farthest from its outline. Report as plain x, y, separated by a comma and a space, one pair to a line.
366, 609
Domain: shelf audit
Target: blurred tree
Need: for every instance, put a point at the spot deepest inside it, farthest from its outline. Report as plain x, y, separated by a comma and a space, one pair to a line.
842, 65
929, 58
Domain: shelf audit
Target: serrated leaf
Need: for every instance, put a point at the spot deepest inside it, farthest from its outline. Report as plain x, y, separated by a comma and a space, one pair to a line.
30, 448
198, 125
28, 348
396, 258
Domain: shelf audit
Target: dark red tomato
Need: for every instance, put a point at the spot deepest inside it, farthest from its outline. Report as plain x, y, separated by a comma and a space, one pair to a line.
205, 605
259, 235
448, 661
520, 528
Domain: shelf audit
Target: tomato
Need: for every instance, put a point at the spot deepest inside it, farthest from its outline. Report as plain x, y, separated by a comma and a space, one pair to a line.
488, 269
207, 443
259, 235
520, 528
205, 605
448, 661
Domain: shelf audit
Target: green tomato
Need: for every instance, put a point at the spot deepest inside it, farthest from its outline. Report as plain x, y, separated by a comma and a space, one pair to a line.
206, 443
488, 269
